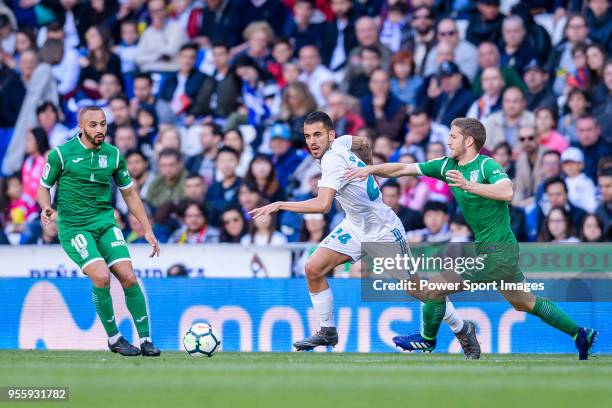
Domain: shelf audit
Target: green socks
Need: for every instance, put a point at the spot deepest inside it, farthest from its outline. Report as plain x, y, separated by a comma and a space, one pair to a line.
433, 313
135, 301
104, 307
554, 316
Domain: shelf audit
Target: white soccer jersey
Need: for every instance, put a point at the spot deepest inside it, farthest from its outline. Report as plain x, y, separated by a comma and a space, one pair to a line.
366, 214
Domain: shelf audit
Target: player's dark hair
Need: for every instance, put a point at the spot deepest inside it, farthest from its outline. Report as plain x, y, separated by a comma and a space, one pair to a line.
555, 180
391, 184
88, 108
435, 206
473, 128
231, 150
170, 152
319, 117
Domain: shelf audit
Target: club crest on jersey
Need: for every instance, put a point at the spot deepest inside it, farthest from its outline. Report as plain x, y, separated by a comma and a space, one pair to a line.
474, 175
102, 162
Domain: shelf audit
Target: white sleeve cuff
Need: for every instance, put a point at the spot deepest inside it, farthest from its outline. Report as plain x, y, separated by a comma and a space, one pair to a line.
126, 187
45, 185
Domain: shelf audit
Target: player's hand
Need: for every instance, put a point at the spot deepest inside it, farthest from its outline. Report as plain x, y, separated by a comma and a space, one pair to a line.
150, 237
46, 216
456, 179
265, 211
357, 173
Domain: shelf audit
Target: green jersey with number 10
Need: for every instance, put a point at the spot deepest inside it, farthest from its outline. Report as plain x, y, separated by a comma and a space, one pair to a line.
83, 179
489, 219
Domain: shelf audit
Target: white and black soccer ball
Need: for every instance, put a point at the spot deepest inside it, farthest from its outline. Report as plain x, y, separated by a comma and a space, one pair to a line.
201, 340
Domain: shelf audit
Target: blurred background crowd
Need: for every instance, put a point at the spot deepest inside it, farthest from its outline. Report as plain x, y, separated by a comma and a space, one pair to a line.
206, 99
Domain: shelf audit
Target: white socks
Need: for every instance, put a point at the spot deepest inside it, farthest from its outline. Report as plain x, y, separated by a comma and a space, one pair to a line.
323, 304
451, 317
143, 339
114, 339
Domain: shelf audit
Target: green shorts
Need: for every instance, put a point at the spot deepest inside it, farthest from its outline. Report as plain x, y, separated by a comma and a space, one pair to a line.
500, 262
103, 242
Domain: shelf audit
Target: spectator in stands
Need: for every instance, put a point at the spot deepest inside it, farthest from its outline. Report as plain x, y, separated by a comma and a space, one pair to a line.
604, 210
314, 229
489, 57
169, 138
233, 138
248, 197
411, 219
48, 119
160, 43
528, 167
297, 102
262, 231
516, 49
357, 84
502, 154
460, 230
218, 96
203, 163
258, 36
109, 86
421, 132
538, 92
578, 104
20, 209
557, 227
596, 59
36, 147
503, 126
224, 193
603, 108
450, 99
255, 92
314, 73
194, 188
592, 229
285, 158
546, 124
194, 226
99, 60
12, 93
491, 101
127, 48
179, 90
380, 109
550, 167
146, 126
167, 186
557, 196
63, 58
537, 36
261, 173
300, 27
49, 235
366, 29
599, 20
143, 93
486, 25
345, 121
338, 35
465, 53
560, 61
272, 11
219, 23
138, 166
233, 226
579, 77
592, 144
581, 189
423, 35
136, 234
413, 193
125, 139
188, 13
282, 53
119, 106
24, 39
435, 218
405, 84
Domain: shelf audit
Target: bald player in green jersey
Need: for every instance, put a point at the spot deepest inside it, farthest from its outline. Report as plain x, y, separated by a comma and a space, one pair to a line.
83, 169
482, 190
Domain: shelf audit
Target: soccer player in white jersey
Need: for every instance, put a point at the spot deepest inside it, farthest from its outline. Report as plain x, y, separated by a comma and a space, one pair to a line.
368, 219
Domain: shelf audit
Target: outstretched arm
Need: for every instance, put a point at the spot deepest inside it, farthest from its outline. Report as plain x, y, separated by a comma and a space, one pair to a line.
320, 204
362, 148
134, 204
388, 170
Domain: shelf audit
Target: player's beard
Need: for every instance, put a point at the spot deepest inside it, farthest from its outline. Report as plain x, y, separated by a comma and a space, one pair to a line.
458, 153
92, 138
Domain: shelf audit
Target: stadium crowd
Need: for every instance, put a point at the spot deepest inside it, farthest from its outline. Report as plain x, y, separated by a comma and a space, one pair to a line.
206, 99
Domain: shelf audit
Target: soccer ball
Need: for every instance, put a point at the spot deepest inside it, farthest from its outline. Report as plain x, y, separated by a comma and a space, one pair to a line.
201, 340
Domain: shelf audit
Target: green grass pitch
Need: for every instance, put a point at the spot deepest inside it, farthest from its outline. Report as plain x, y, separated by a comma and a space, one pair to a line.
175, 380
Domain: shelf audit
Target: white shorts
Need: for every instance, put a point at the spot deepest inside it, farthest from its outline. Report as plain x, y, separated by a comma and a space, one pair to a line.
345, 240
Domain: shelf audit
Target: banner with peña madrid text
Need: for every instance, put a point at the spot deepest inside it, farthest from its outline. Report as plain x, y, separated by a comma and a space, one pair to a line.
267, 315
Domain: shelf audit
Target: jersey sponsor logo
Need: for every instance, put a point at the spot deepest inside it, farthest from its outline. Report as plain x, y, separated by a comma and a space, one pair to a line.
102, 161
78, 159
46, 170
474, 175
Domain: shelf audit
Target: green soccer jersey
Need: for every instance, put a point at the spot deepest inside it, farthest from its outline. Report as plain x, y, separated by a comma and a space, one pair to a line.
489, 219
83, 179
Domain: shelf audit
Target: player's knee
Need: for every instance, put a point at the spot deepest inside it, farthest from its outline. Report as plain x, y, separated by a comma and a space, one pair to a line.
128, 280
313, 271
100, 279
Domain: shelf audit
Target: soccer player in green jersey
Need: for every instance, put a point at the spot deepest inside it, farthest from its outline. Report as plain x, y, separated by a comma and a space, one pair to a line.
83, 169
482, 190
